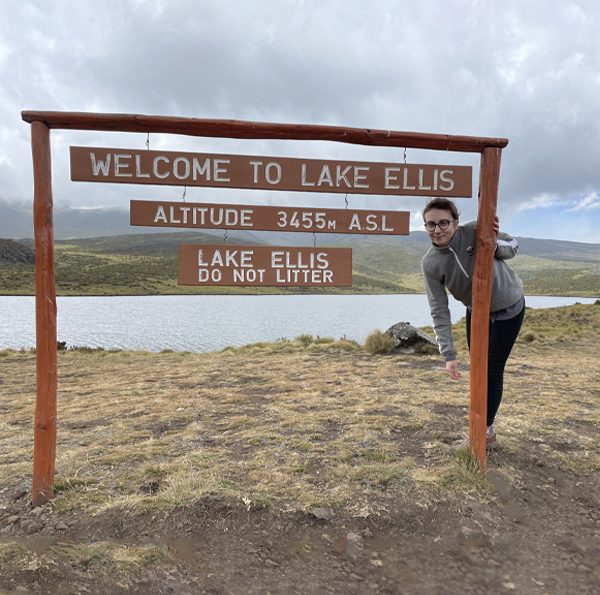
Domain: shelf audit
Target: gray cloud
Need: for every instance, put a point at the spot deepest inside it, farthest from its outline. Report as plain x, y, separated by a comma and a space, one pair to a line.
526, 71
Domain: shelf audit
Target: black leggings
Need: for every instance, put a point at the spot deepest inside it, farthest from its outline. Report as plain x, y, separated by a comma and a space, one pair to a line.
503, 334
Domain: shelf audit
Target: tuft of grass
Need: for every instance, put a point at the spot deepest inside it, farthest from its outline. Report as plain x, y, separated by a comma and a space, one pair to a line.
380, 474
378, 342
325, 340
261, 501
66, 484
305, 339
189, 488
427, 349
11, 550
465, 471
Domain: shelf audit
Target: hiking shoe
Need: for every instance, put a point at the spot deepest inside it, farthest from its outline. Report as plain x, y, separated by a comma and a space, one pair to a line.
490, 439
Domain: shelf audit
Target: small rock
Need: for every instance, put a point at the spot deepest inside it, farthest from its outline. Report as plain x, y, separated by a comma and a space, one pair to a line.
269, 562
551, 480
21, 589
493, 563
60, 526
353, 545
11, 520
323, 513
583, 568
367, 533
32, 527
355, 577
19, 493
39, 511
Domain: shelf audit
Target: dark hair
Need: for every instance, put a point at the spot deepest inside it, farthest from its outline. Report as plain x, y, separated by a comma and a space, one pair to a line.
443, 204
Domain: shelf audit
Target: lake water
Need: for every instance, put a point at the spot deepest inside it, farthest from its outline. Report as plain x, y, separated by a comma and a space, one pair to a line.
207, 322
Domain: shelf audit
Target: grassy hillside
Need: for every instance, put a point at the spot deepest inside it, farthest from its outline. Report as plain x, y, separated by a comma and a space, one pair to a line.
146, 264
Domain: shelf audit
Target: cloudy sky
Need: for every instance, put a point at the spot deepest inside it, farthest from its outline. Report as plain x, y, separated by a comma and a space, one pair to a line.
526, 70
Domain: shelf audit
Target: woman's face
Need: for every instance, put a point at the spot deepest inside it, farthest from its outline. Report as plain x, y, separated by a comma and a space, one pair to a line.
440, 237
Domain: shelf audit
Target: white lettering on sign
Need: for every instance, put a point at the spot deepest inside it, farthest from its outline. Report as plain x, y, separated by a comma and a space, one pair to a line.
267, 266
100, 165
186, 168
255, 165
304, 182
211, 216
138, 168
204, 275
292, 267
201, 170
158, 174
389, 178
216, 216
220, 170
359, 176
119, 165
267, 173
341, 177
449, 181
273, 178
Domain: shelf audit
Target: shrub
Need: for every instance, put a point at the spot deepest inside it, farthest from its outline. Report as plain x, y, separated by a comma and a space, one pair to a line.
427, 348
306, 340
379, 342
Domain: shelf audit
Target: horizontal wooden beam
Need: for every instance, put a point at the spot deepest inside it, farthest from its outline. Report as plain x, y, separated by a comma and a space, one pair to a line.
259, 130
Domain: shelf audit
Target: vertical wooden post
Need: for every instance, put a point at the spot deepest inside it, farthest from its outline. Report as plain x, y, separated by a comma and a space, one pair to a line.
44, 438
489, 175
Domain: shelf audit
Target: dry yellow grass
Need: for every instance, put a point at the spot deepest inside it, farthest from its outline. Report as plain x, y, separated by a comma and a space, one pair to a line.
296, 424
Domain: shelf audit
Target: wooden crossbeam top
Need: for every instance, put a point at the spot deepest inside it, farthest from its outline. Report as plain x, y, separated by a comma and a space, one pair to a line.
259, 130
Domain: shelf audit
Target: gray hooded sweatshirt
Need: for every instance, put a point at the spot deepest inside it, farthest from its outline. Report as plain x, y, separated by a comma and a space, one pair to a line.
451, 267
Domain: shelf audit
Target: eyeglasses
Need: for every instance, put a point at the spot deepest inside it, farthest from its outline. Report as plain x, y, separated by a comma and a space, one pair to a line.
443, 224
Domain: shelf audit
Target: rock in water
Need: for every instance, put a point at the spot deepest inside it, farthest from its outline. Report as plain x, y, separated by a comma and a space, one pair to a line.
407, 336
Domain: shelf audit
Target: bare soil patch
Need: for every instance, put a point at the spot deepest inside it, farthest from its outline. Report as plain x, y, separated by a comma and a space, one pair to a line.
288, 469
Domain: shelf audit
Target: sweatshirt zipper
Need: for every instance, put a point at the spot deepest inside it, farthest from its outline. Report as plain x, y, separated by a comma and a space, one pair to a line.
459, 263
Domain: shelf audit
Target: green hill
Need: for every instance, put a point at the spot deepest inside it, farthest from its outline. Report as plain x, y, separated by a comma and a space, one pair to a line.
146, 264
119, 260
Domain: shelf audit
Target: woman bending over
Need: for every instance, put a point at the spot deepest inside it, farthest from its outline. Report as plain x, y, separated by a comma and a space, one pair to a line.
448, 265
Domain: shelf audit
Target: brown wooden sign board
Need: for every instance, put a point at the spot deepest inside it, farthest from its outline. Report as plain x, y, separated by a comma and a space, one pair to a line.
264, 266
130, 166
265, 218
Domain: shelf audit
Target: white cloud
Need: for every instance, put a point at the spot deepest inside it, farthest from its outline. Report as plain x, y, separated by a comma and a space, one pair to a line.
591, 201
539, 202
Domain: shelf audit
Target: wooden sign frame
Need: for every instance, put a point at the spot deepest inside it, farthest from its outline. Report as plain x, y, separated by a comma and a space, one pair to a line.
44, 451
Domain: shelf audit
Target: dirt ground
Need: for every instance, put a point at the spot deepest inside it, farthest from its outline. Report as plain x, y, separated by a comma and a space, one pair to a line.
318, 471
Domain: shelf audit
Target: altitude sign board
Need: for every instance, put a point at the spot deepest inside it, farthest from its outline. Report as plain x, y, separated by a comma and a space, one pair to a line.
264, 266
131, 166
152, 213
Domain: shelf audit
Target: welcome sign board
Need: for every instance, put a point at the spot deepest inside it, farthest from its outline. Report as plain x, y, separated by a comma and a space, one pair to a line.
129, 166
